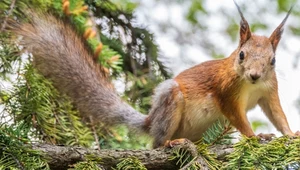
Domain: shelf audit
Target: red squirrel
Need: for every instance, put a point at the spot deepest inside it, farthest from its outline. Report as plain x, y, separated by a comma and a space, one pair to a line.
183, 107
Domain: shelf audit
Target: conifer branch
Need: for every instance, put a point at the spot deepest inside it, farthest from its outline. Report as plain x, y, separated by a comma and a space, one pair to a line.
61, 157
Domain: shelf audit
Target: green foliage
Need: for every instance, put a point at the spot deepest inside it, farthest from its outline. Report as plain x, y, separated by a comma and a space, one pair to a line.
135, 46
91, 163
35, 111
131, 163
37, 104
125, 5
195, 9
249, 153
258, 124
15, 153
183, 157
231, 30
86, 165
218, 133
141, 86
258, 26
284, 5
50, 116
208, 157
80, 20
9, 56
121, 137
295, 30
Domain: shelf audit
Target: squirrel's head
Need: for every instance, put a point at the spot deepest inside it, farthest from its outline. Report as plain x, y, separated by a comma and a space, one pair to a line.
255, 56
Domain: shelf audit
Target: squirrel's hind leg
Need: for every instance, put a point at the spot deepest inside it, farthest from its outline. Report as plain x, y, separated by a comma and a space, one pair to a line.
165, 114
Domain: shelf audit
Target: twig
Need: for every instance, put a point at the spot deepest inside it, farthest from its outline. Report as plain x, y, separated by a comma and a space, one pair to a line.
12, 5
95, 133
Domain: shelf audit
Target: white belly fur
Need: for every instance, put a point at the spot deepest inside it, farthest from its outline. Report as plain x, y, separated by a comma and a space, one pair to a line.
251, 93
201, 115
204, 112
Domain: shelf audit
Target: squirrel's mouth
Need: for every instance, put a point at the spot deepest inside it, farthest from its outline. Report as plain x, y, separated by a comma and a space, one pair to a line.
252, 81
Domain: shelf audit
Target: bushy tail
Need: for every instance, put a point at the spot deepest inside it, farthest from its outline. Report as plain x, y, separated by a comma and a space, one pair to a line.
61, 55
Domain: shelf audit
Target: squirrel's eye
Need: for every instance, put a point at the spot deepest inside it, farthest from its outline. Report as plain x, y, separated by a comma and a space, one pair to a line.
273, 61
242, 55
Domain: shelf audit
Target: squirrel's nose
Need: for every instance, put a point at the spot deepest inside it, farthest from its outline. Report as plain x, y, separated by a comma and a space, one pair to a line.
255, 76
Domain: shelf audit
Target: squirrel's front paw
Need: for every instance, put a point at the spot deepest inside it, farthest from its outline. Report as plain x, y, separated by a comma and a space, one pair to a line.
296, 134
268, 136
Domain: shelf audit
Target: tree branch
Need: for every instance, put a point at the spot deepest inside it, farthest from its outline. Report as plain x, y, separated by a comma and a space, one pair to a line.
61, 157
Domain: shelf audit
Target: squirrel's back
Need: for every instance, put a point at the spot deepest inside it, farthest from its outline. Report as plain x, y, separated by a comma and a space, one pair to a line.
62, 56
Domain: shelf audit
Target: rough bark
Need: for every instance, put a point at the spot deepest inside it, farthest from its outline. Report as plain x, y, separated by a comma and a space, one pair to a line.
61, 157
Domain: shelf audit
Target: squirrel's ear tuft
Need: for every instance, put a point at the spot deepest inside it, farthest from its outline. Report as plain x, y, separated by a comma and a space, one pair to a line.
245, 32
276, 35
